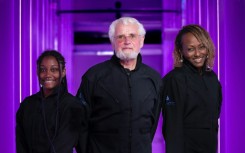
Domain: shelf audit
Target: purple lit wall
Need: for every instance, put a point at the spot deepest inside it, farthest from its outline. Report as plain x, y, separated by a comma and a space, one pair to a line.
29, 26
37, 26
232, 32
206, 14
171, 25
225, 21
9, 73
27, 29
65, 39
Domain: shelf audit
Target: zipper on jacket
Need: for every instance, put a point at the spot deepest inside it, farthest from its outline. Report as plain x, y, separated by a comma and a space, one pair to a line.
130, 110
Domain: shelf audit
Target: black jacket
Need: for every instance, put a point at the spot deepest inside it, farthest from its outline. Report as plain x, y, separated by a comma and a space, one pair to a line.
191, 110
123, 106
69, 124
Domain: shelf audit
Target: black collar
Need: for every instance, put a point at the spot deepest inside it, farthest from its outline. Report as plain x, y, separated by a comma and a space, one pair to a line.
193, 68
60, 89
116, 60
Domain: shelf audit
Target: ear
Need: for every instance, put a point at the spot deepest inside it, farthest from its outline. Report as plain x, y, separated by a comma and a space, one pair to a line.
180, 53
63, 74
142, 39
113, 45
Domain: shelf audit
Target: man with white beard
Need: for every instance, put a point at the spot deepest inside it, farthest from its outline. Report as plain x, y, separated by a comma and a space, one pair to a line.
122, 95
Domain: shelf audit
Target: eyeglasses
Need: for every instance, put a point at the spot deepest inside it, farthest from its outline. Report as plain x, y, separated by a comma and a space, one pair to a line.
131, 37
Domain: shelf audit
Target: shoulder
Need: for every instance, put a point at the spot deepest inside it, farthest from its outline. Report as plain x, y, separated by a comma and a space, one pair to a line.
98, 69
212, 77
72, 107
30, 100
176, 78
176, 74
151, 72
70, 100
29, 104
211, 74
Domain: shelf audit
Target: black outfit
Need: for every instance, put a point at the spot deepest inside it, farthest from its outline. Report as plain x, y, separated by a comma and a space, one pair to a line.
123, 106
191, 109
69, 123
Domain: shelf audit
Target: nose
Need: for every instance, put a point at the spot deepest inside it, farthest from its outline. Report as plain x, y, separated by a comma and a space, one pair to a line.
127, 39
197, 52
48, 73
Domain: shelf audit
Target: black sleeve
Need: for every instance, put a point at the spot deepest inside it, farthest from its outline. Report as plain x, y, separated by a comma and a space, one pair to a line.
21, 143
220, 98
157, 111
173, 97
81, 146
72, 130
84, 94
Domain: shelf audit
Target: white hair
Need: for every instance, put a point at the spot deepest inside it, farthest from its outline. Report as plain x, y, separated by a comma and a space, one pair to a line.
125, 21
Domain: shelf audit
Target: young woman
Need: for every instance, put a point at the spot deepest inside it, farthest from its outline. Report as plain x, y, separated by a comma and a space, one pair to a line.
52, 120
192, 95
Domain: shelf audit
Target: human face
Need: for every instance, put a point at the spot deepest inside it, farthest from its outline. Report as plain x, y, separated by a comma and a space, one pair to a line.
49, 74
127, 41
194, 51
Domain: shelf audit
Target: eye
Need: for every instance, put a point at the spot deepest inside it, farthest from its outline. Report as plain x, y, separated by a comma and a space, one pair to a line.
53, 69
132, 36
120, 37
190, 49
42, 69
202, 47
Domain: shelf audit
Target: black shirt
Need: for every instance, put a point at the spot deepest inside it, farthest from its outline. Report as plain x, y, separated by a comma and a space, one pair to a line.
123, 106
64, 128
191, 109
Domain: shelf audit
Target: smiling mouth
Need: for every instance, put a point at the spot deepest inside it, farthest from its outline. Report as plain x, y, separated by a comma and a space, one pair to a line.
48, 81
198, 60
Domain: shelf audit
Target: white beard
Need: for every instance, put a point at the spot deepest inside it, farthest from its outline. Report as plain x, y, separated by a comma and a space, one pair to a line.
127, 56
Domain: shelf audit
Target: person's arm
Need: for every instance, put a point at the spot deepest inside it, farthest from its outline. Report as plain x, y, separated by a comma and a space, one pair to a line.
220, 98
21, 144
83, 94
173, 105
157, 111
81, 146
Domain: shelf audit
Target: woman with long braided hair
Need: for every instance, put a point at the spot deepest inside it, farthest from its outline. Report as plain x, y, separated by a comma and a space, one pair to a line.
52, 120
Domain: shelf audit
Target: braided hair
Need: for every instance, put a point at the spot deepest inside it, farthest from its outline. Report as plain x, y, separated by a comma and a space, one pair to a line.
61, 63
